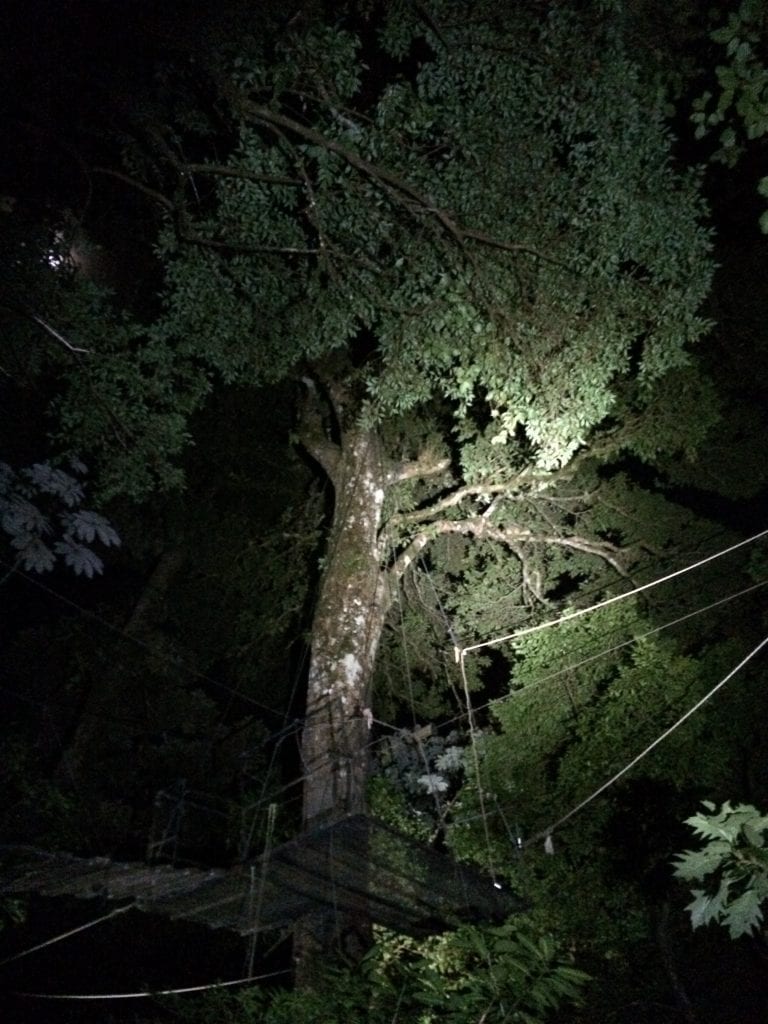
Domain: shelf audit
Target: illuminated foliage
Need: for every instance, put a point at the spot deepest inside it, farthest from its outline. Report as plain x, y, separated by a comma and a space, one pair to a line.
734, 857
501, 229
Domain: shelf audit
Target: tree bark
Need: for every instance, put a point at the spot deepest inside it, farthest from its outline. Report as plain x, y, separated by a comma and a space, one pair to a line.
353, 604
347, 626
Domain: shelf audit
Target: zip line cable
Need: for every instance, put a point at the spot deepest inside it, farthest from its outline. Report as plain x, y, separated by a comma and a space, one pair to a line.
66, 935
537, 681
153, 650
154, 994
547, 832
604, 652
305, 776
460, 652
15, 570
124, 995
534, 683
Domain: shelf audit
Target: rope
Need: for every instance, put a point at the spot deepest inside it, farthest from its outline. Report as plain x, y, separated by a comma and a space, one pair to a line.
547, 832
151, 995
480, 794
540, 680
460, 652
66, 935
256, 912
536, 683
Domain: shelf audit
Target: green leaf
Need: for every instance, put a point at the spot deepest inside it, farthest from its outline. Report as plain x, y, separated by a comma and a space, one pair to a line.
697, 864
755, 831
705, 907
728, 138
724, 825
743, 914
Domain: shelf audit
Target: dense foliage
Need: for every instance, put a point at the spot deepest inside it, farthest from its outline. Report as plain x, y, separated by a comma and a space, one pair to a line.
486, 232
508, 973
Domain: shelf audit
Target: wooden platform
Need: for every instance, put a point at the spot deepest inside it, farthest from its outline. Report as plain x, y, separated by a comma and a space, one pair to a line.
357, 865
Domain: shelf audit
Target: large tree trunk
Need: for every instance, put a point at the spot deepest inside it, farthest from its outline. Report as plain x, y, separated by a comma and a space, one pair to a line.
346, 630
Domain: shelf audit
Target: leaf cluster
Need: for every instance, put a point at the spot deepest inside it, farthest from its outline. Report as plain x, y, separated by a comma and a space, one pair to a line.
36, 497
739, 108
734, 861
509, 973
501, 229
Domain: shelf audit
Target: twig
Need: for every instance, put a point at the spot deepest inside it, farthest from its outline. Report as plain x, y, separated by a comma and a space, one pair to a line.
128, 180
56, 334
48, 328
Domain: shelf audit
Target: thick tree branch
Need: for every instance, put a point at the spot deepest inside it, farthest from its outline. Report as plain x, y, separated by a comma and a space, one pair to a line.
313, 436
280, 122
425, 464
423, 515
482, 528
185, 235
409, 555
323, 451
377, 173
513, 537
185, 169
214, 243
57, 334
311, 210
222, 171
312, 430
370, 170
499, 243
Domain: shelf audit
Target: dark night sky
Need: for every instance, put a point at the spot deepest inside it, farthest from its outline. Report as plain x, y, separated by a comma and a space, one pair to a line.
69, 65
63, 58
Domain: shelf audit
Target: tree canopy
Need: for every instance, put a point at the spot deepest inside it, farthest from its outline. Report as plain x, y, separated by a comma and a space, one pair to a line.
494, 232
